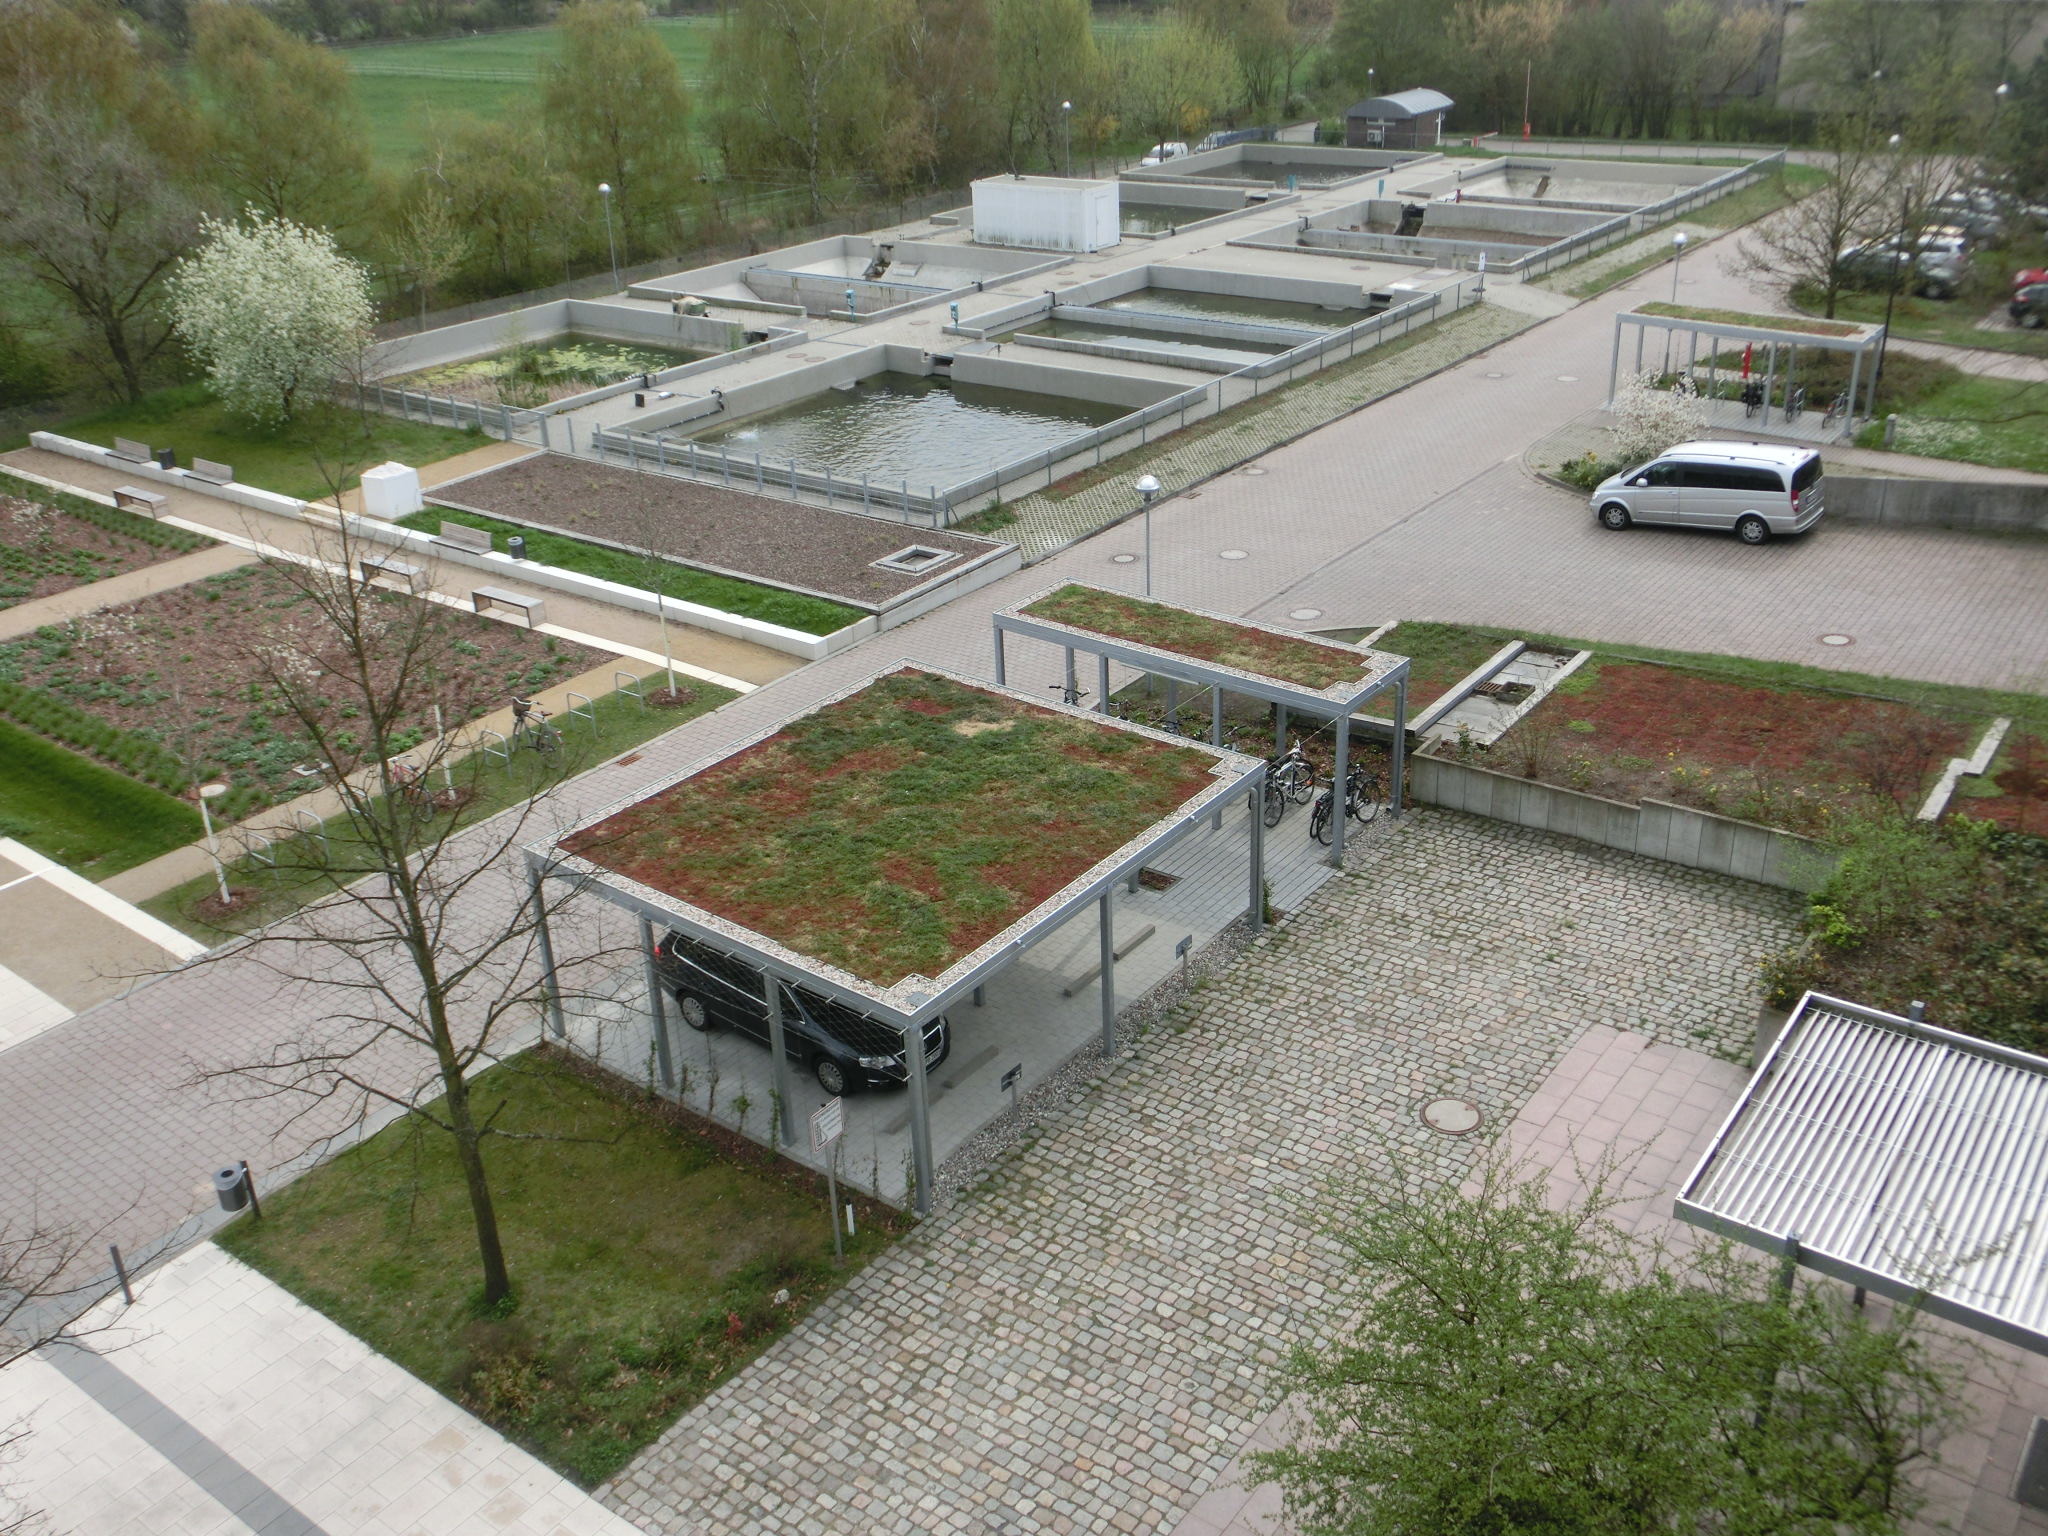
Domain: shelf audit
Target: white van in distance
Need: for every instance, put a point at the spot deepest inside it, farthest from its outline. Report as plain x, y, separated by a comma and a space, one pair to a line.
1754, 489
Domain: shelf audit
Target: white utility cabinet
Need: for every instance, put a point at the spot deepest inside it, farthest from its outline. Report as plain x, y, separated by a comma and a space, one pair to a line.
391, 491
1047, 213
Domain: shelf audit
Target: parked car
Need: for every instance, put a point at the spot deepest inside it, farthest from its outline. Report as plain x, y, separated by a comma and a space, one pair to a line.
2026, 277
1939, 263
1979, 213
1754, 489
2029, 307
846, 1051
1159, 154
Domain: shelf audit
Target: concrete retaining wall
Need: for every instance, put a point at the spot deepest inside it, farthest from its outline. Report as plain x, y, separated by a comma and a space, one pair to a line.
1975, 505
1654, 829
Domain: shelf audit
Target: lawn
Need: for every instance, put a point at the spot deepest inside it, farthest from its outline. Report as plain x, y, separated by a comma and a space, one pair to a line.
650, 1260
404, 86
194, 669
1951, 321
2000, 422
1305, 663
299, 876
283, 459
86, 817
895, 831
51, 542
728, 594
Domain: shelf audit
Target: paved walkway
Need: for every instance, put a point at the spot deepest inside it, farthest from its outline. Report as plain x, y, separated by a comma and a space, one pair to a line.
220, 1405
1080, 1347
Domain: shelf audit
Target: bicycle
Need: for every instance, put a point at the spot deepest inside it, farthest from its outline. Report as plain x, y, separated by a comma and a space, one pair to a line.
530, 727
1070, 693
1293, 772
1795, 403
410, 786
1838, 410
1362, 791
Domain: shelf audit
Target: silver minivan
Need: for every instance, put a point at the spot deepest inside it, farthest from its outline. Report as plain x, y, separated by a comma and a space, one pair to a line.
1753, 489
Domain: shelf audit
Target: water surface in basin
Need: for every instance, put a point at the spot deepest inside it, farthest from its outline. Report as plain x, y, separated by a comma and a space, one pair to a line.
897, 426
1305, 173
1231, 306
1237, 354
1159, 218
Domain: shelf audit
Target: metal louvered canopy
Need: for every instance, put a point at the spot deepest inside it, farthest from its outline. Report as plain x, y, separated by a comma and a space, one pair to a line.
1896, 1156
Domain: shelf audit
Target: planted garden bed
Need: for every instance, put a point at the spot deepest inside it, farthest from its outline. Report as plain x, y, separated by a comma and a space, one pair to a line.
897, 830
1305, 663
1439, 655
1797, 759
174, 686
50, 542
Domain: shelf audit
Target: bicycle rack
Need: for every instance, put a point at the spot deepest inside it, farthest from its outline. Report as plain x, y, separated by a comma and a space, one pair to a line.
587, 712
258, 849
628, 684
502, 751
306, 824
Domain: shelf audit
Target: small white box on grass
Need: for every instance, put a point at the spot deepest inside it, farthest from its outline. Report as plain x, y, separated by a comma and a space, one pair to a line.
391, 491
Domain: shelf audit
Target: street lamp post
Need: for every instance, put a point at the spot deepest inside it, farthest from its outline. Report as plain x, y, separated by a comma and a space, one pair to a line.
1900, 257
1067, 137
1148, 488
604, 190
1677, 256
207, 794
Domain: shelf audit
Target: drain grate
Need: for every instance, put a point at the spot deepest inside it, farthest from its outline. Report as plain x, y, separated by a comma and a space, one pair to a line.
914, 559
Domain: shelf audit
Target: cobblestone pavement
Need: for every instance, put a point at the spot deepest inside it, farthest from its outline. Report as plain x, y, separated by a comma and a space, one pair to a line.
1044, 525
1083, 1343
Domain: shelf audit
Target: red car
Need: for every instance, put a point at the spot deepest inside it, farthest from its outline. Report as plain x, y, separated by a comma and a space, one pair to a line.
2026, 277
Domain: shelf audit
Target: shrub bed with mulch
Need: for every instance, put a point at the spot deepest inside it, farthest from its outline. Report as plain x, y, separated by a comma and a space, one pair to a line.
50, 542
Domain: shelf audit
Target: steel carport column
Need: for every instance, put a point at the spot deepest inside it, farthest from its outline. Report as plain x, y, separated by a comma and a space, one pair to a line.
1338, 801
551, 991
657, 1006
1108, 977
1258, 858
920, 1115
1399, 771
785, 1119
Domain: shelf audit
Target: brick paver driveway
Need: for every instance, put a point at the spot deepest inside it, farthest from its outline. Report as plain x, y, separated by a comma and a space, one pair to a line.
1082, 1345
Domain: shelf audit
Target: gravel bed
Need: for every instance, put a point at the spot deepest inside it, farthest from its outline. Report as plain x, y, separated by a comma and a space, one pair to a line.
759, 538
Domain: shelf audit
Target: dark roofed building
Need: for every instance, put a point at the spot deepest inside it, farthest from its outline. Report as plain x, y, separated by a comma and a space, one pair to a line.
1405, 120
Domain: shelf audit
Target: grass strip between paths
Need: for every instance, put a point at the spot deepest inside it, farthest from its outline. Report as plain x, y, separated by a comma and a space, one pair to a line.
88, 818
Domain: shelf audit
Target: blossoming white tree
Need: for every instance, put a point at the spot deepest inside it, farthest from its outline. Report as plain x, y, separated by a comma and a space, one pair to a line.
274, 309
1647, 420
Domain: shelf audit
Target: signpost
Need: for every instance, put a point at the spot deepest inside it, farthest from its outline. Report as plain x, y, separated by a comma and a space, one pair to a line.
827, 1123
1010, 1086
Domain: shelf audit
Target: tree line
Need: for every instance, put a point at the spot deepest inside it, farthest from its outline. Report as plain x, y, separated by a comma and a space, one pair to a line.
121, 129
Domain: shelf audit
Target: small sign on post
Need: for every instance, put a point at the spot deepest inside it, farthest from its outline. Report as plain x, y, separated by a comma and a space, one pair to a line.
1010, 1079
828, 1123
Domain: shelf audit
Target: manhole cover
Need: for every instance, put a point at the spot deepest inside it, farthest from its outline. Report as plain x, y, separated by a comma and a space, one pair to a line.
1125, 559
1305, 614
1837, 639
1567, 378
1255, 470
1496, 375
1235, 554
1454, 1117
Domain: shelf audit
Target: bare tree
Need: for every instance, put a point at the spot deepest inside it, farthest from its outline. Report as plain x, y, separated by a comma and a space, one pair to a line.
1805, 244
422, 948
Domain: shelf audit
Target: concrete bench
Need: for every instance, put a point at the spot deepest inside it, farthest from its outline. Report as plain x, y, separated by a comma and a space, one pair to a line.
373, 566
476, 540
135, 499
211, 472
134, 452
489, 597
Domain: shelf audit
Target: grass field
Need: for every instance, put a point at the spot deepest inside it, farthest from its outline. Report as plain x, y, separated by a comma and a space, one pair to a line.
649, 1261
404, 86
1976, 419
1950, 321
189, 419
86, 817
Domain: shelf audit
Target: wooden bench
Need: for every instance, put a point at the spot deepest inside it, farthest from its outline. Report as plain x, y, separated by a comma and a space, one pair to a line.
211, 472
129, 449
476, 540
373, 566
134, 498
532, 607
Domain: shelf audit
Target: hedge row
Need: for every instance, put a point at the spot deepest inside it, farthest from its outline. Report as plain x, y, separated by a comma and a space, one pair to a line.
134, 754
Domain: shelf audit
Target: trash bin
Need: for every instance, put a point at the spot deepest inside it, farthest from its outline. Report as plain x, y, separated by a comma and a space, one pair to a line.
167, 458
515, 546
231, 1189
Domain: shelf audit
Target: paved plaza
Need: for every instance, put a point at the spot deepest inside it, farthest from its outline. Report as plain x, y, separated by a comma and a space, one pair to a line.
1083, 1343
